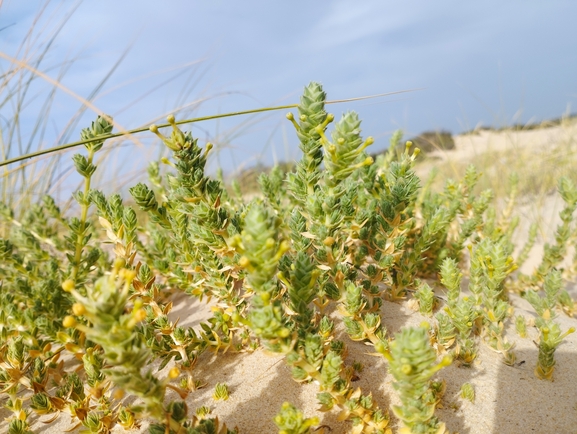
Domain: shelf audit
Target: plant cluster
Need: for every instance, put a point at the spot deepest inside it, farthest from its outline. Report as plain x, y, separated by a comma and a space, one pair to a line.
325, 244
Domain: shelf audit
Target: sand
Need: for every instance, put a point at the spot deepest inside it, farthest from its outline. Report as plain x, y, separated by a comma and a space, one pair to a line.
508, 399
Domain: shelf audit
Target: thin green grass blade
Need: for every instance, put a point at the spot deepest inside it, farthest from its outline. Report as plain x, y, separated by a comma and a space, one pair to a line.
185, 121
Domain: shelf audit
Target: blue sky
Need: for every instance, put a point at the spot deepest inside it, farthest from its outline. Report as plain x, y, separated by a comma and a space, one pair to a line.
479, 63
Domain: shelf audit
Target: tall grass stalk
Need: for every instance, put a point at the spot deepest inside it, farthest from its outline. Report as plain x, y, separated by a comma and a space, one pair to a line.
29, 87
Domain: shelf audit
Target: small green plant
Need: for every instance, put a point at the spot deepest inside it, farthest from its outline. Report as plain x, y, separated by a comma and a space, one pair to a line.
550, 335
492, 263
468, 392
521, 326
106, 324
554, 253
413, 364
425, 297
461, 312
203, 411
220, 392
291, 421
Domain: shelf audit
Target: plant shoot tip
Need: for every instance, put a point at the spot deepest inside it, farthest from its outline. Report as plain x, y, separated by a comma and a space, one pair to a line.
68, 285
69, 321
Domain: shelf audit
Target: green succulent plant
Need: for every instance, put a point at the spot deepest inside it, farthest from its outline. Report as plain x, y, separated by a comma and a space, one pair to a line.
301, 270
413, 364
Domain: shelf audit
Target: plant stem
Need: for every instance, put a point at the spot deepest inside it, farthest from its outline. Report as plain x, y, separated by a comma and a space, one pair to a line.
83, 217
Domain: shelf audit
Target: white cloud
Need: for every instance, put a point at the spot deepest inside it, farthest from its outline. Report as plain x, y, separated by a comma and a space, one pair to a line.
271, 49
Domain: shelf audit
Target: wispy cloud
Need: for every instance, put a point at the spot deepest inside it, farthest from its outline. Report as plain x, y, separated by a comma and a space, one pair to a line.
263, 52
